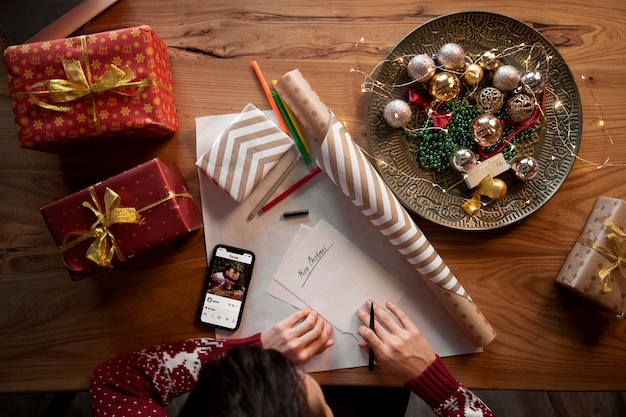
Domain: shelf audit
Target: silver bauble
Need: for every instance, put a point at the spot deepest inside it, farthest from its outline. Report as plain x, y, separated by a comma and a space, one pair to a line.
534, 80
421, 68
489, 100
526, 168
451, 56
397, 113
506, 78
463, 159
523, 89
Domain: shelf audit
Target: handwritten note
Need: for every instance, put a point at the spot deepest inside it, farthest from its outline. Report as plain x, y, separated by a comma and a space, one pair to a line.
331, 275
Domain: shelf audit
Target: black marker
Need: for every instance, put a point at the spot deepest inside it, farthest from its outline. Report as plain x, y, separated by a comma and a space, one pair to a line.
371, 361
297, 213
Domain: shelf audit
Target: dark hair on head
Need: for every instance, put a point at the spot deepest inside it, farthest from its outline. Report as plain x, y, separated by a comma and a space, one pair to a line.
248, 382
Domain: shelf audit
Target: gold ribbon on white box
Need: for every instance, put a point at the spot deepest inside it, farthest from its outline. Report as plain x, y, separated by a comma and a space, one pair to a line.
349, 169
245, 153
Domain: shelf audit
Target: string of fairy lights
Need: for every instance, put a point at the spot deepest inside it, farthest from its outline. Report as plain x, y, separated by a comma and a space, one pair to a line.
564, 131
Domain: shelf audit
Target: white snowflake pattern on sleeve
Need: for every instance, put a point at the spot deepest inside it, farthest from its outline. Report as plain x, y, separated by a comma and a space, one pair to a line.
143, 382
445, 395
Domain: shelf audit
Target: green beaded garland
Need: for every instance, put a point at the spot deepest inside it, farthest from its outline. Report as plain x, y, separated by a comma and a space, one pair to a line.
437, 146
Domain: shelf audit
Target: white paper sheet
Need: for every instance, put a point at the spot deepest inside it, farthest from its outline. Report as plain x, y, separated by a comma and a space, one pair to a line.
333, 276
269, 236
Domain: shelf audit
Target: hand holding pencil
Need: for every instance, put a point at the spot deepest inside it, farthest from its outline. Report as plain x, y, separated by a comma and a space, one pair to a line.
398, 345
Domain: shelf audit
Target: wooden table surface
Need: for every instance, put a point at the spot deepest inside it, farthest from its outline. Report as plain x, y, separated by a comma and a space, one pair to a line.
53, 331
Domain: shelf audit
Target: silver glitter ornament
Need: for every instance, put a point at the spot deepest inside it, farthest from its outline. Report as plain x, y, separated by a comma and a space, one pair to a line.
463, 159
451, 56
520, 107
526, 168
489, 100
487, 130
534, 80
421, 68
506, 78
397, 113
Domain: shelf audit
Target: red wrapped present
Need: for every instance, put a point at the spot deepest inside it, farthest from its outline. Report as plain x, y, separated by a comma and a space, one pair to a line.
125, 215
596, 266
107, 84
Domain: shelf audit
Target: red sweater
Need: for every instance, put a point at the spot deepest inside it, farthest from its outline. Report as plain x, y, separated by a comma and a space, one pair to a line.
143, 383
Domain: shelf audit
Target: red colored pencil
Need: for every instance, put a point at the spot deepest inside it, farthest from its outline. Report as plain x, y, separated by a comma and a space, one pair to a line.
290, 190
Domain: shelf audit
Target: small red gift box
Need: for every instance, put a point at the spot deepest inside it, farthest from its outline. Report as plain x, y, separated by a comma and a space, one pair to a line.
596, 266
116, 219
103, 85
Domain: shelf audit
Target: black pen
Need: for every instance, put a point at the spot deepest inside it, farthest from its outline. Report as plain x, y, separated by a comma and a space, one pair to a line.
297, 213
371, 361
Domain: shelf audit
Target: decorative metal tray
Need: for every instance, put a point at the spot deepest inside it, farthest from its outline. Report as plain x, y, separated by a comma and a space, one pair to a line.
438, 197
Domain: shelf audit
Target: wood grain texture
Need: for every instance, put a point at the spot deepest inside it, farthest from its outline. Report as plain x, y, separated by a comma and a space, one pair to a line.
53, 332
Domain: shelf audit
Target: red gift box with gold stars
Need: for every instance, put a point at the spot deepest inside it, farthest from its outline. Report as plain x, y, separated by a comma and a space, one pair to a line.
112, 221
103, 85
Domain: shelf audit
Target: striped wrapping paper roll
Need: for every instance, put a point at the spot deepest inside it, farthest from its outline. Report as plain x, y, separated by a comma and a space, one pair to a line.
349, 169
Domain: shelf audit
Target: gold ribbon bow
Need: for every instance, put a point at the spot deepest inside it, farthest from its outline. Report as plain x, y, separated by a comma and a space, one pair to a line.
490, 187
78, 84
616, 253
104, 246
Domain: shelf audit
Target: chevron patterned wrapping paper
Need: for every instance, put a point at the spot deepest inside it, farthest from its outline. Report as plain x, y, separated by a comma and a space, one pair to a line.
349, 169
245, 153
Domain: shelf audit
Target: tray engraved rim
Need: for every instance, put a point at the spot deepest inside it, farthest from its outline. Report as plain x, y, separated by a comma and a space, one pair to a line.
558, 139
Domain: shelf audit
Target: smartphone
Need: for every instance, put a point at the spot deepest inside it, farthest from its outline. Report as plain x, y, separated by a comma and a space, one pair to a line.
226, 287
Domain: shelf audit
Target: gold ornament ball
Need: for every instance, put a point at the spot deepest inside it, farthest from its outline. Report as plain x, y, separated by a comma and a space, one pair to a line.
421, 68
451, 56
489, 100
445, 86
473, 74
487, 130
520, 107
489, 60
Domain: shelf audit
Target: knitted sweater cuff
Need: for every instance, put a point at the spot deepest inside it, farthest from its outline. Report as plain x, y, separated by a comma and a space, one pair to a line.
435, 385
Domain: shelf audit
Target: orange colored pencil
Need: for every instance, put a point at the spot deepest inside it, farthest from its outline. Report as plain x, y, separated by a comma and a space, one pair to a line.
268, 95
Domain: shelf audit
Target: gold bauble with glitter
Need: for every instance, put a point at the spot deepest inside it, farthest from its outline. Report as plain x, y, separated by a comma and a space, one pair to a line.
445, 86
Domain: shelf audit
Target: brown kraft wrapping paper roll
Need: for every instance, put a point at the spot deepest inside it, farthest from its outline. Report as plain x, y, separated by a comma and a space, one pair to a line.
349, 169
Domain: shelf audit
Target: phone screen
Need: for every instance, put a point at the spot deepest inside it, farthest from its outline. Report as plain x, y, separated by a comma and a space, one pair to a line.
226, 287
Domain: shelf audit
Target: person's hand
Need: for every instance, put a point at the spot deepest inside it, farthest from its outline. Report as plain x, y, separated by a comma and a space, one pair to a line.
300, 336
399, 347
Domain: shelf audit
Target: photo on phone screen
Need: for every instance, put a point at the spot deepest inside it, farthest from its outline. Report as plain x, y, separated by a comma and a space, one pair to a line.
228, 278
